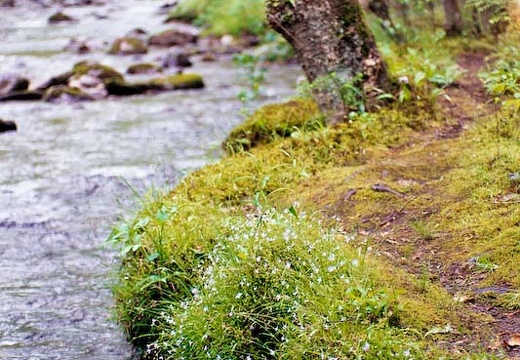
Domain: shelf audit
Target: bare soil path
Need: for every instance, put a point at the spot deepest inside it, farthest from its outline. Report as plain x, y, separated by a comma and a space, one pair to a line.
421, 166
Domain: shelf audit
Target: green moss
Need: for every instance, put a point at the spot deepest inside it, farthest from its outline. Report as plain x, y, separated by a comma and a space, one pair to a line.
145, 68
103, 72
273, 122
179, 81
65, 93
128, 46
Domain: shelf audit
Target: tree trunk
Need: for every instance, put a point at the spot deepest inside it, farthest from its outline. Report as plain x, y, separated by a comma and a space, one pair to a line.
331, 38
452, 17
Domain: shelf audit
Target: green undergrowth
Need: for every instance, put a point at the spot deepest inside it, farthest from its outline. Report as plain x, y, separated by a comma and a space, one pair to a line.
228, 266
201, 283
329, 242
501, 76
221, 17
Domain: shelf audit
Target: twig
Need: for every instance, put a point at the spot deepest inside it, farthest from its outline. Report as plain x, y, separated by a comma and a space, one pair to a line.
384, 188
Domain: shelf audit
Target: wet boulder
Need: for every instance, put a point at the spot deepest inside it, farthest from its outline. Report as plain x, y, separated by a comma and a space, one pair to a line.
173, 82
178, 82
22, 96
180, 60
144, 68
60, 17
94, 69
62, 79
7, 3
127, 89
169, 38
128, 46
92, 78
65, 94
90, 85
10, 83
6, 125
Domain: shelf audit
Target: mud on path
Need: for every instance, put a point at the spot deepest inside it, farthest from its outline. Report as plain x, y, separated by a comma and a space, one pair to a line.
397, 221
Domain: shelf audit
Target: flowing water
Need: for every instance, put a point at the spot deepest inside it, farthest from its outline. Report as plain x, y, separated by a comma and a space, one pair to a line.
66, 174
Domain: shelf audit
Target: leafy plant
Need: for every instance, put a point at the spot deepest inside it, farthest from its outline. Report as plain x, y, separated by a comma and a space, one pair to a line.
254, 74
510, 300
422, 230
484, 263
489, 13
422, 73
503, 80
345, 90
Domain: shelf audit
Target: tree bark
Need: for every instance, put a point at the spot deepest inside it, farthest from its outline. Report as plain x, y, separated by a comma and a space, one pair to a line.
452, 17
330, 37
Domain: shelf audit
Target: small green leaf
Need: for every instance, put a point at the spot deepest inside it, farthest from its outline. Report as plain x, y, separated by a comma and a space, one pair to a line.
293, 211
162, 215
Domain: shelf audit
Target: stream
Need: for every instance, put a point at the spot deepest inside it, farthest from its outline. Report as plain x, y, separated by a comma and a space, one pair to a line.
70, 172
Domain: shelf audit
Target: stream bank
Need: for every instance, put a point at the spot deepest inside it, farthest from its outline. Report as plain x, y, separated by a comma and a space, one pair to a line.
68, 175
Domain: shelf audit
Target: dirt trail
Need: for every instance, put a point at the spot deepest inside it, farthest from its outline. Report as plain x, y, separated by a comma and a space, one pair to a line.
389, 222
470, 92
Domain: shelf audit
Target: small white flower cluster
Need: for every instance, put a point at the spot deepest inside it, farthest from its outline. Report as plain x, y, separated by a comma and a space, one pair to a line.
274, 275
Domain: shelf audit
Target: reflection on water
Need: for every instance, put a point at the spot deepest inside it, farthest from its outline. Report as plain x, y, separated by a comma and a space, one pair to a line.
65, 176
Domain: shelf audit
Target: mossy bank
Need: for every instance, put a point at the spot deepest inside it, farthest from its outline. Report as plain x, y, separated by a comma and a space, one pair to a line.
386, 236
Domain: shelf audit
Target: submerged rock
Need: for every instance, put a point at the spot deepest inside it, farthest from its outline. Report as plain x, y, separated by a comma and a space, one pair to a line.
144, 68
10, 83
208, 57
80, 46
67, 94
80, 2
167, 7
128, 46
6, 125
60, 17
169, 38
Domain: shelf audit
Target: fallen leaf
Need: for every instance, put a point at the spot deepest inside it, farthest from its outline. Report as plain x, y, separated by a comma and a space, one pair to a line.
463, 298
513, 341
508, 198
